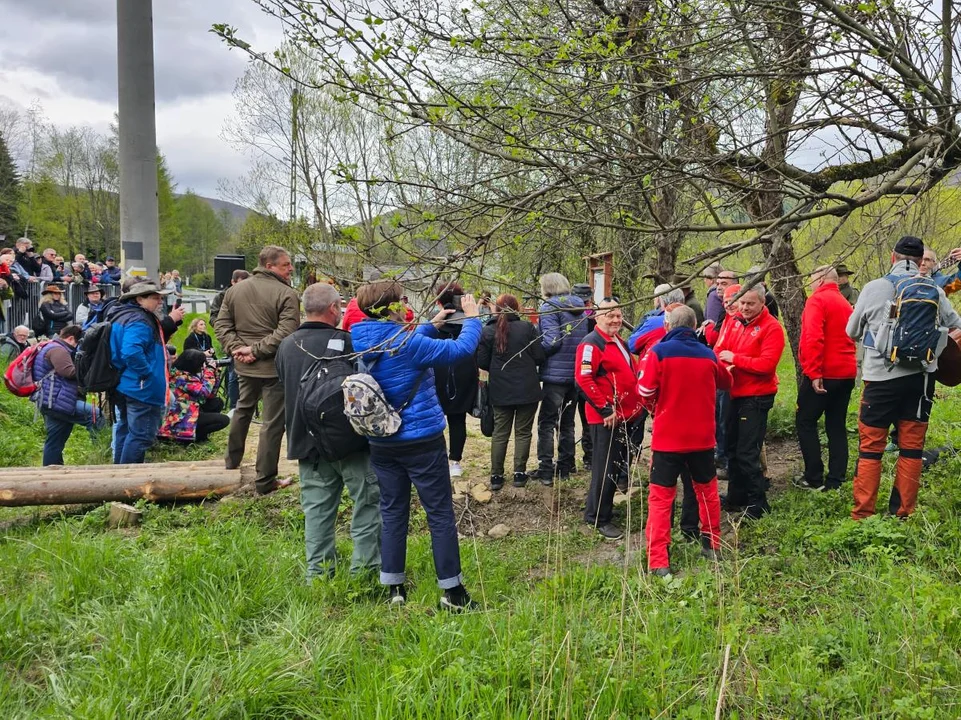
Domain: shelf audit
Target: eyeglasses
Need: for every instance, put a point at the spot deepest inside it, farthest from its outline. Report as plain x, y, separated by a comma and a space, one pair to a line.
611, 298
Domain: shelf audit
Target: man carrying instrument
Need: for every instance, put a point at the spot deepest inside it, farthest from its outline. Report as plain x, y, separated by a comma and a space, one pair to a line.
930, 267
898, 389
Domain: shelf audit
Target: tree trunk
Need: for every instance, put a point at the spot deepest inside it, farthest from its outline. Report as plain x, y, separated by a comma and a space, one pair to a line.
101, 483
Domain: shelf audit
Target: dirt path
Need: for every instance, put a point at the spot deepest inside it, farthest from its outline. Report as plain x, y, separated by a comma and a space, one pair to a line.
536, 508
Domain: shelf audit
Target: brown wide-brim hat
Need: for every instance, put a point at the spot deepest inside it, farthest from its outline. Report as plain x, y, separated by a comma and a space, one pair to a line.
52, 289
842, 269
142, 289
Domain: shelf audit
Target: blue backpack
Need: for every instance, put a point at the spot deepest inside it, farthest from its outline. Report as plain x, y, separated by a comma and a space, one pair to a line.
913, 337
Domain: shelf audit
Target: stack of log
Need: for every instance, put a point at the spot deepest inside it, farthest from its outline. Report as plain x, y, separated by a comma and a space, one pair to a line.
155, 482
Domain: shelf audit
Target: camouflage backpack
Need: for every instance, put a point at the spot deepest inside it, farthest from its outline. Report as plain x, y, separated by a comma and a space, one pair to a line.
367, 408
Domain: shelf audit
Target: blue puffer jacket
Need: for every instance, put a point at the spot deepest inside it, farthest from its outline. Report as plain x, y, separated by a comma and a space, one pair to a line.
56, 393
137, 351
410, 355
561, 333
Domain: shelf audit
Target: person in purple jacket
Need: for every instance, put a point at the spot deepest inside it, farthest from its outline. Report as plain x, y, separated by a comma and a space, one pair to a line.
402, 362
58, 397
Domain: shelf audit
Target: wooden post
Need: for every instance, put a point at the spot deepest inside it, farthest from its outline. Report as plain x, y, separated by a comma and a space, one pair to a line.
122, 515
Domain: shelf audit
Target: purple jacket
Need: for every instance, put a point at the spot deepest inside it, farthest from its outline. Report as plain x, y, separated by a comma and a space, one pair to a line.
714, 307
56, 393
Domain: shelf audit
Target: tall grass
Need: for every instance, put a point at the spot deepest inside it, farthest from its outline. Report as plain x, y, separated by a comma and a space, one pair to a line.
203, 612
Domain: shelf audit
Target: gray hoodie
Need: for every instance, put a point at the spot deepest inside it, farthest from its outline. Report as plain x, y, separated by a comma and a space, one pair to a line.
871, 310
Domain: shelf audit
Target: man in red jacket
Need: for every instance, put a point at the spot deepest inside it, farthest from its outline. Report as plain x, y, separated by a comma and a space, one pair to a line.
752, 350
829, 364
678, 383
605, 372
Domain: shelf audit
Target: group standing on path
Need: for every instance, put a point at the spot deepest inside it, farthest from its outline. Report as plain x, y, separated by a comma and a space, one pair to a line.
707, 388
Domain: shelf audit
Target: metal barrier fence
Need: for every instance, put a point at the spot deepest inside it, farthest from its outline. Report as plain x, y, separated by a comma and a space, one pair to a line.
22, 311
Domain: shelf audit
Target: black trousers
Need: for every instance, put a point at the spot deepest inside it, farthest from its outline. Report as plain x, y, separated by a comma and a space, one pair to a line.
833, 405
614, 451
587, 446
558, 412
457, 428
746, 428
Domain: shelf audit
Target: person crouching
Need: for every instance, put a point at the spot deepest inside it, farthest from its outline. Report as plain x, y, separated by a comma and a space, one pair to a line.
195, 412
606, 374
678, 383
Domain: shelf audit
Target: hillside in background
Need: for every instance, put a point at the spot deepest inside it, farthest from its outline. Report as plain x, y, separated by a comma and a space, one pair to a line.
238, 213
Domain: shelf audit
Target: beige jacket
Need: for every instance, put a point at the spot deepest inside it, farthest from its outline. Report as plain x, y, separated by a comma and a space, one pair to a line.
259, 312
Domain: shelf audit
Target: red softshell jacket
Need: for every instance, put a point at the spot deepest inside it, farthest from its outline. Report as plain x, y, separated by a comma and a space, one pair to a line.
607, 374
826, 351
757, 346
678, 382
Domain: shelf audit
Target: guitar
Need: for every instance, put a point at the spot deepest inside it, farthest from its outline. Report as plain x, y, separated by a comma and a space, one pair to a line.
949, 361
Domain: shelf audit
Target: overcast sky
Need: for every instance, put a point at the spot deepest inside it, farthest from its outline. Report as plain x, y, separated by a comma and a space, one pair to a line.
63, 54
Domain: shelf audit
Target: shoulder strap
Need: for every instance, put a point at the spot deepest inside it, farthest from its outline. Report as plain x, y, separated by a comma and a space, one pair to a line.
413, 390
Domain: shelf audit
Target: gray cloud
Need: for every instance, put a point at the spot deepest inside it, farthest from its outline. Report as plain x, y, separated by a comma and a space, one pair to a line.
76, 43
64, 53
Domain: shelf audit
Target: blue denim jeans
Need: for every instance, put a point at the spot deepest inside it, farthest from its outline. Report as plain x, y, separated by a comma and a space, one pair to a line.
428, 471
721, 410
233, 387
136, 429
60, 425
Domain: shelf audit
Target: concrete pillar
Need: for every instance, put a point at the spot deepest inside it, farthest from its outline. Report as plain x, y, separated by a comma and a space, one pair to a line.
139, 217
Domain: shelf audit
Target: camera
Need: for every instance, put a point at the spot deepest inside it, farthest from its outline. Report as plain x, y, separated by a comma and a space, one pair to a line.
221, 362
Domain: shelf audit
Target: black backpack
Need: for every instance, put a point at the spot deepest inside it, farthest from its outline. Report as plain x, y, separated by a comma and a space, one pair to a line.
95, 370
321, 403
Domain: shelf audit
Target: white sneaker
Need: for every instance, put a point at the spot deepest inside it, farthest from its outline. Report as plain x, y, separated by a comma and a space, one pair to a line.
230, 413
455, 470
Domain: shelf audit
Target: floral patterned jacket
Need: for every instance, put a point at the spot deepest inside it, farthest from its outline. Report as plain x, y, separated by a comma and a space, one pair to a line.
189, 392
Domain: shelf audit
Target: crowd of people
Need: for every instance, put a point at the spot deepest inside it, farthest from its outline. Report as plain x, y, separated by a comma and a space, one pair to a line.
704, 377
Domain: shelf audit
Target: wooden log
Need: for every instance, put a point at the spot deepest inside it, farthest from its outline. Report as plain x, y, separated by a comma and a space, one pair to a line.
67, 470
122, 515
157, 482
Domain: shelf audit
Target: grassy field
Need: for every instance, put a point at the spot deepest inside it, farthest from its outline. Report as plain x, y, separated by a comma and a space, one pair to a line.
203, 613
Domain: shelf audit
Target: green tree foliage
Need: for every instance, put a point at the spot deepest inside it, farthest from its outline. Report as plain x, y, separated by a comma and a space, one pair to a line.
9, 193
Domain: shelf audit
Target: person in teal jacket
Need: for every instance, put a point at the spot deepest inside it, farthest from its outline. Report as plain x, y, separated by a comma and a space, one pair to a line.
402, 362
140, 356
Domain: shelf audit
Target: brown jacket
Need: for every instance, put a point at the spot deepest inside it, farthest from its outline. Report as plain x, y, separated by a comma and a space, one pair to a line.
259, 312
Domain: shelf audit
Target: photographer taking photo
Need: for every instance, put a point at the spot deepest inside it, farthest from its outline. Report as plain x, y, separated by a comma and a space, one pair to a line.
194, 412
457, 383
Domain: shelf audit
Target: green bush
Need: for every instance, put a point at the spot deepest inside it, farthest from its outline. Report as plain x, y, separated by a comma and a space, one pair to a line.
202, 280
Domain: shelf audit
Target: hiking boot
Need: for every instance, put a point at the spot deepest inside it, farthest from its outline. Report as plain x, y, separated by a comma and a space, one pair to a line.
455, 469
622, 486
520, 479
712, 554
273, 486
666, 573
802, 484
565, 473
457, 600
497, 482
546, 478
756, 511
722, 473
693, 536
397, 596
831, 485
610, 531
729, 506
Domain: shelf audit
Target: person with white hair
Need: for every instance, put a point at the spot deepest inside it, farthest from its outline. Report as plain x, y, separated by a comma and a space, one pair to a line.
563, 325
652, 329
829, 364
751, 351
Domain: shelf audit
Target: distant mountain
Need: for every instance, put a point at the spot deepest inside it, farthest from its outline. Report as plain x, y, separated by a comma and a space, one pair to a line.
238, 213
